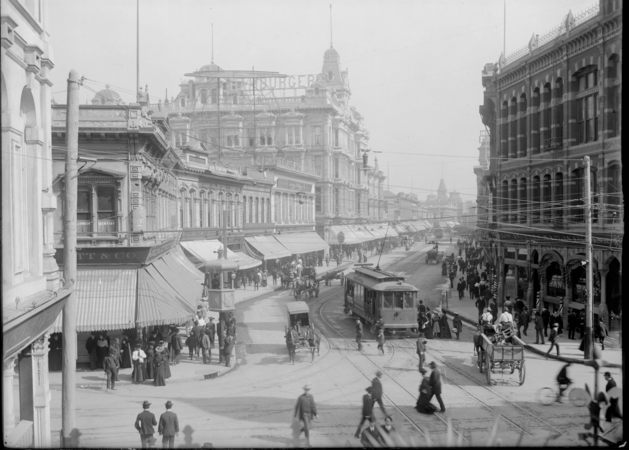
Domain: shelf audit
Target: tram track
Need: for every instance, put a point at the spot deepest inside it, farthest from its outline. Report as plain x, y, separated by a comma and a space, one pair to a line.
347, 344
409, 266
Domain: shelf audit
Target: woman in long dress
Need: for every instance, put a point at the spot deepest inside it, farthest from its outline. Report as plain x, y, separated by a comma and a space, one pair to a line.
139, 358
167, 373
423, 404
445, 328
159, 362
102, 350
436, 328
125, 353
428, 330
150, 363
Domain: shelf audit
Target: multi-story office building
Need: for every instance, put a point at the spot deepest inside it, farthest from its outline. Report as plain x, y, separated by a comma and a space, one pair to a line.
547, 106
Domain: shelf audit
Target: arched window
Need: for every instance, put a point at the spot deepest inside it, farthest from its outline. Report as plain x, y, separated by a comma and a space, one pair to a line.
268, 210
546, 198
576, 195
523, 210
230, 211
558, 114
203, 96
522, 129
513, 128
536, 203
535, 122
257, 214
513, 204
220, 205
559, 205
504, 201
613, 197
251, 210
613, 95
504, 132
546, 119
587, 105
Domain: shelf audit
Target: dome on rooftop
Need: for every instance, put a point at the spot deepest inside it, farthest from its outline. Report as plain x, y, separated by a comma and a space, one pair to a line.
106, 97
331, 55
210, 68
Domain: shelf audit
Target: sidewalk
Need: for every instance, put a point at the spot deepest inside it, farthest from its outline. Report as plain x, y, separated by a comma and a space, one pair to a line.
569, 348
187, 369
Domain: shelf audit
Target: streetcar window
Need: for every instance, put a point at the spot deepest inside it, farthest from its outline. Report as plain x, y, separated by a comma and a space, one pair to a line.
399, 300
409, 300
388, 300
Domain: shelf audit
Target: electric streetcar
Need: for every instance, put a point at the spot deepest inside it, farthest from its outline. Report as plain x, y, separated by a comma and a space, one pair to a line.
371, 293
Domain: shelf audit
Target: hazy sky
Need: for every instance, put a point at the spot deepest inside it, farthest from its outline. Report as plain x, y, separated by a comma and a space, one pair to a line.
414, 66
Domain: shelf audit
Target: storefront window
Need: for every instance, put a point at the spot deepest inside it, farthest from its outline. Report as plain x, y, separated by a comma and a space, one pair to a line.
556, 287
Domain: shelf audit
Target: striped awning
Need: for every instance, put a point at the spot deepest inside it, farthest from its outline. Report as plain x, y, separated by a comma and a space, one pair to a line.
267, 247
305, 242
350, 236
200, 252
106, 299
167, 293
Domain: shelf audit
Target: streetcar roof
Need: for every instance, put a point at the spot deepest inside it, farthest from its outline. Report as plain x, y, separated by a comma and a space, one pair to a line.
394, 286
378, 274
380, 285
297, 308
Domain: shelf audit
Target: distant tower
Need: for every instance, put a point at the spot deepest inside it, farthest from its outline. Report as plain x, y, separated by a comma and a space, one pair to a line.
442, 192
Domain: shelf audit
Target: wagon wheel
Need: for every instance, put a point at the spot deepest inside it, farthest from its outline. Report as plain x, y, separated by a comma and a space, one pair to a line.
488, 366
522, 370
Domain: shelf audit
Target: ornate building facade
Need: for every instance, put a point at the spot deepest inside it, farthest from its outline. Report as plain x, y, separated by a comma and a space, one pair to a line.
32, 294
548, 105
318, 133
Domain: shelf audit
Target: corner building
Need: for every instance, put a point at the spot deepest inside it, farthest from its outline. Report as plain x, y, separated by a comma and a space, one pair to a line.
547, 106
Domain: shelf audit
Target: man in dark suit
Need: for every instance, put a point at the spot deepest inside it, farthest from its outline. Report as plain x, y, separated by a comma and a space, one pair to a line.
168, 426
90, 346
376, 392
546, 320
211, 330
144, 423
435, 383
367, 408
612, 409
111, 367
370, 431
305, 410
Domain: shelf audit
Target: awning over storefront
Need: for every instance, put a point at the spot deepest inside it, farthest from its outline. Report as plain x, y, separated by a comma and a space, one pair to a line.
305, 242
363, 234
167, 294
106, 299
267, 247
200, 252
165, 291
350, 236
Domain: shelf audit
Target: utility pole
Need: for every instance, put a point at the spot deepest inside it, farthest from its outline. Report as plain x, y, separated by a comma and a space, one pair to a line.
588, 266
68, 349
137, 57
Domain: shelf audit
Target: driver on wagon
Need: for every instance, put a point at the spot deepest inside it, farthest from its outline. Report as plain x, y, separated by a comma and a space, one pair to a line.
486, 318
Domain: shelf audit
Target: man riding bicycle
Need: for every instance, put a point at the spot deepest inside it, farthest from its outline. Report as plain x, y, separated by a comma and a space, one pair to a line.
563, 381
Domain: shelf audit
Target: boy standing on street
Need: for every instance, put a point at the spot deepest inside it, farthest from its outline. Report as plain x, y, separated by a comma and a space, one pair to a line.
381, 341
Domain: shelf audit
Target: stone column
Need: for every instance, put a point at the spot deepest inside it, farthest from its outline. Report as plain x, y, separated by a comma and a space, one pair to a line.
8, 416
41, 393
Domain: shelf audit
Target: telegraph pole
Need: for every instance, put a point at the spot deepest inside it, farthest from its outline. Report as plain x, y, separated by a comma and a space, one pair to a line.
589, 316
68, 349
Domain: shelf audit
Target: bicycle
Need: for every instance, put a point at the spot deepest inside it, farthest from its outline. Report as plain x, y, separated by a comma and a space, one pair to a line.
549, 395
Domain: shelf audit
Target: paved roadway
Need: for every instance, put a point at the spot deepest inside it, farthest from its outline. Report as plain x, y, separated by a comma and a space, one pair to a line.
252, 406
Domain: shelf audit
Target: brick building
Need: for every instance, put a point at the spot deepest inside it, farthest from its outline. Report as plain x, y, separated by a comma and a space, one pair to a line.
547, 106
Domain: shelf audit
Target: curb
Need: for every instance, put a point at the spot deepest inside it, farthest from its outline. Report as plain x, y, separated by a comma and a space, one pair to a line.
533, 349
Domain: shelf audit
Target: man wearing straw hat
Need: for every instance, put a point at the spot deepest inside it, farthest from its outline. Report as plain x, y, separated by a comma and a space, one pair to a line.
144, 423
305, 410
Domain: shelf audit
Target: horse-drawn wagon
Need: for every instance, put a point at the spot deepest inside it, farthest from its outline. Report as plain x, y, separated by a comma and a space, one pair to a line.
500, 350
300, 332
434, 256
